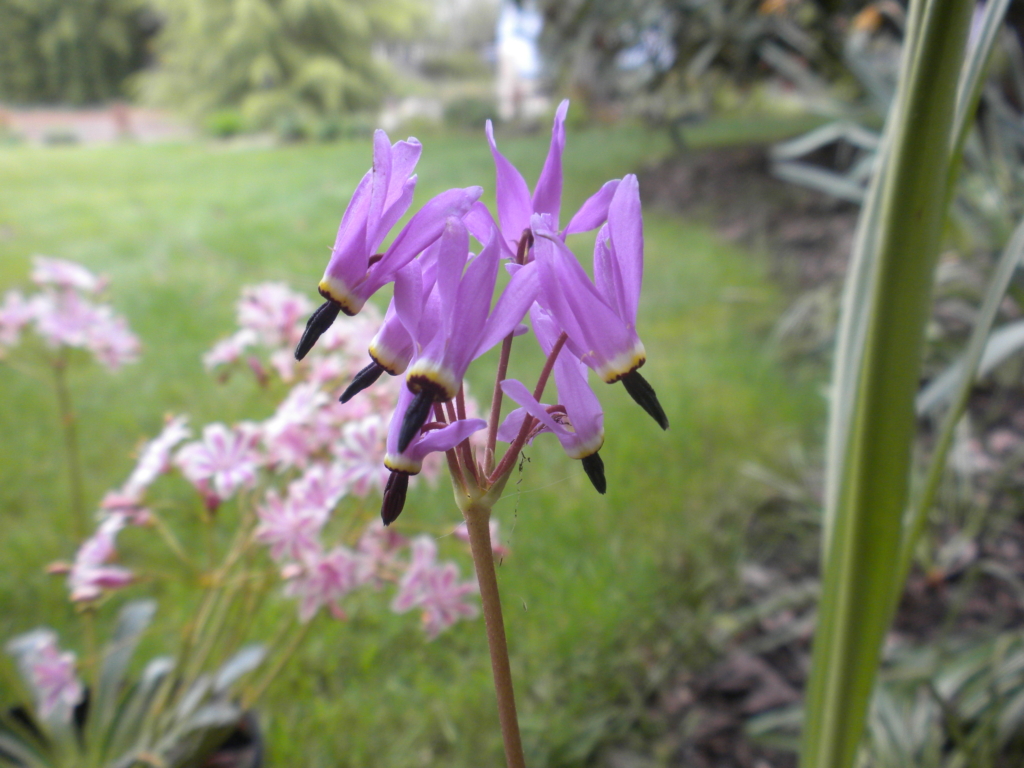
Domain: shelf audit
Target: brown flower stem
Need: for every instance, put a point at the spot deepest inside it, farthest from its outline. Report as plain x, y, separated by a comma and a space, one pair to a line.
462, 449
69, 424
495, 416
478, 524
453, 461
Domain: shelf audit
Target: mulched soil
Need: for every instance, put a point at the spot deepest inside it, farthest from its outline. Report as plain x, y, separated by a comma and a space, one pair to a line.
764, 665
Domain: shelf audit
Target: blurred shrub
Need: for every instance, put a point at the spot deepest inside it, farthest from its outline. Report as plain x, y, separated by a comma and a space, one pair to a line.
73, 51
457, 64
224, 123
469, 112
277, 61
671, 58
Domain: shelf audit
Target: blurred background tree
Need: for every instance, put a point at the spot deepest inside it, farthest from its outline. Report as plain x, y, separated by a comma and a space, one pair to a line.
71, 51
671, 59
275, 61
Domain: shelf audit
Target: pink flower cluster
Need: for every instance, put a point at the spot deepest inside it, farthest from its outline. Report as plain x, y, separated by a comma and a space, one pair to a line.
49, 672
64, 313
308, 455
434, 588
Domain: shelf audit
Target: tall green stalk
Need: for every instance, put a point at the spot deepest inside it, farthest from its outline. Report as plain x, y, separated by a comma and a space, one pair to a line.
873, 490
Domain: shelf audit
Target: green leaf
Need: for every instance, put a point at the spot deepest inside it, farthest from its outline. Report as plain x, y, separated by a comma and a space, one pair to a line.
873, 483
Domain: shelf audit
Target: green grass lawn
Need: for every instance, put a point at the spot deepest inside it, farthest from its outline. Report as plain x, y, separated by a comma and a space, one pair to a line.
596, 589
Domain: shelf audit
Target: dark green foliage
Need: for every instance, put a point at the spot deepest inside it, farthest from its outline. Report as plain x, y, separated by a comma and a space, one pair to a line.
469, 112
71, 51
681, 51
283, 63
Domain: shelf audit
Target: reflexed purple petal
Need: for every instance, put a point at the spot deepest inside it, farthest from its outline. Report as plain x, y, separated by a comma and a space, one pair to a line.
547, 195
511, 308
408, 299
348, 256
472, 303
509, 428
392, 214
551, 298
594, 212
626, 228
443, 439
606, 277
392, 346
404, 156
421, 230
453, 250
603, 333
379, 189
479, 222
581, 404
513, 196
545, 328
515, 390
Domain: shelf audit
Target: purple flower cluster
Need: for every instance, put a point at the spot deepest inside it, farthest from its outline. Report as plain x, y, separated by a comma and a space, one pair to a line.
443, 314
64, 313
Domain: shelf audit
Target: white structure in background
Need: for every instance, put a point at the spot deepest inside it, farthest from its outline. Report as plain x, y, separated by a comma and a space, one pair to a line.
518, 61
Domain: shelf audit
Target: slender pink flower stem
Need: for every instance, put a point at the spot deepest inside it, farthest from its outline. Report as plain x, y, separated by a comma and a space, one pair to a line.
453, 460
495, 416
508, 460
69, 424
478, 524
462, 449
525, 243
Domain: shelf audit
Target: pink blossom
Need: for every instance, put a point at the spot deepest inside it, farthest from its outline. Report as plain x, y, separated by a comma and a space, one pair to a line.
229, 350
90, 575
15, 312
360, 452
288, 435
110, 339
435, 589
381, 545
273, 312
321, 487
155, 457
61, 273
49, 671
284, 363
225, 458
323, 579
67, 319
289, 529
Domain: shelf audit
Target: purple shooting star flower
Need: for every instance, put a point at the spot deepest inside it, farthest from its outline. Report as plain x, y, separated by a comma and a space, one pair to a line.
462, 330
406, 461
516, 206
578, 421
600, 317
356, 270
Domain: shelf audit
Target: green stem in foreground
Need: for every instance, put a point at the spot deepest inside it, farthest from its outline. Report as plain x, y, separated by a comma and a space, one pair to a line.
873, 494
69, 426
478, 519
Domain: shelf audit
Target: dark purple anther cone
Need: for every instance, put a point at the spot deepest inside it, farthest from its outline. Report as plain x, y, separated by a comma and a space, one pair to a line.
362, 380
394, 497
318, 323
415, 418
641, 391
593, 465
